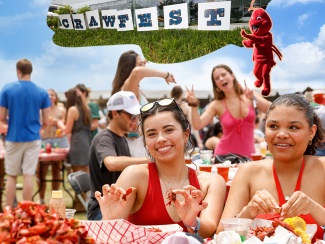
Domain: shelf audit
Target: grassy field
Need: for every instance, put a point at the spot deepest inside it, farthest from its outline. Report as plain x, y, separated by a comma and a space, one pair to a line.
66, 196
163, 46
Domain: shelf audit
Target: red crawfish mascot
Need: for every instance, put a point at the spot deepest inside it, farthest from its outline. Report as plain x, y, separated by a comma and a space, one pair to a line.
261, 41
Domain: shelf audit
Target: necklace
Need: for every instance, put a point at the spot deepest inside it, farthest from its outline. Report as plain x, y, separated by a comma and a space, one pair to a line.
285, 197
168, 189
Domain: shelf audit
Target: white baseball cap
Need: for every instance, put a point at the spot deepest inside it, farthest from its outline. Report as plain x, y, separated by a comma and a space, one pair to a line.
124, 100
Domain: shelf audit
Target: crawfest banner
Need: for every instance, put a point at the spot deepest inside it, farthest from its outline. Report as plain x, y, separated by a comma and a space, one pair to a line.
211, 16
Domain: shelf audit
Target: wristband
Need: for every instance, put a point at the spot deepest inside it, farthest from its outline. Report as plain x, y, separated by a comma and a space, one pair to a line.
167, 75
198, 225
195, 104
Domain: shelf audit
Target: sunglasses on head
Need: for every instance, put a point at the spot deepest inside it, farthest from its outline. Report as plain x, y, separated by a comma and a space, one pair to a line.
162, 103
132, 116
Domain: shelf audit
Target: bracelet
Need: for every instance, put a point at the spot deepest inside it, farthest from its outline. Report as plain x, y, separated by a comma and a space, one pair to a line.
197, 223
195, 104
167, 75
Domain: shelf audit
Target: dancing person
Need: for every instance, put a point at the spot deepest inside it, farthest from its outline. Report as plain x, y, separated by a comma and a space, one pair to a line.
294, 179
21, 102
54, 134
78, 125
129, 73
234, 106
199, 196
131, 70
109, 151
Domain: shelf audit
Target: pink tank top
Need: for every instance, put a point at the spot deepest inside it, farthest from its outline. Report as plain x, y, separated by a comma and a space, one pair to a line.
153, 210
238, 134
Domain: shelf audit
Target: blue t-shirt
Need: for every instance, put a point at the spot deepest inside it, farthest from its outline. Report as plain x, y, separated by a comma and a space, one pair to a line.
24, 100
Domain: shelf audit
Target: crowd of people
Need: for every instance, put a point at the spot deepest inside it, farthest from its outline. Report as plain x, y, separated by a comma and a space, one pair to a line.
137, 159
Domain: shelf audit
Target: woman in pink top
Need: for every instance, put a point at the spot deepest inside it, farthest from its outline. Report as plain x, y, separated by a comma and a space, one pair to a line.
294, 179
234, 107
200, 196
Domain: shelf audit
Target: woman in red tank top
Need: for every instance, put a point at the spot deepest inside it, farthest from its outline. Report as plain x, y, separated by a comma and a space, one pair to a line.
195, 200
294, 179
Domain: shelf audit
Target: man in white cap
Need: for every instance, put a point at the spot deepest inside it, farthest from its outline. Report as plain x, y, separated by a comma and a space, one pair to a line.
109, 152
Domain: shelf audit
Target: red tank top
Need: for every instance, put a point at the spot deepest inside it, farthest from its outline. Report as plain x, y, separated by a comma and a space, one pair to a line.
307, 217
153, 209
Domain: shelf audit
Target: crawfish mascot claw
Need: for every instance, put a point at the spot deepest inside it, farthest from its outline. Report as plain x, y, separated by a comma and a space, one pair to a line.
261, 41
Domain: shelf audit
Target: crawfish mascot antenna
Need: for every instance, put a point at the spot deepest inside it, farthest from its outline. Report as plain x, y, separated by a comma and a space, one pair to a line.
261, 41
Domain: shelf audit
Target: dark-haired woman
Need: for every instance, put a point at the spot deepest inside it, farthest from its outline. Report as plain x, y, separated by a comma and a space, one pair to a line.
294, 179
198, 197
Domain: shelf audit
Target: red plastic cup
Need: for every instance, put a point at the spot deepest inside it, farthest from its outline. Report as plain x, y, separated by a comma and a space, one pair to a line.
205, 167
256, 156
223, 171
48, 148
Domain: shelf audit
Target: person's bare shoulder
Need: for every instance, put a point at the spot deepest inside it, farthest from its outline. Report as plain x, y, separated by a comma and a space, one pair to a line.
138, 170
215, 107
254, 168
207, 179
320, 159
134, 175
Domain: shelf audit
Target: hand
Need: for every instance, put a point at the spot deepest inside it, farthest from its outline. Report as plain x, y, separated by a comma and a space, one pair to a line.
190, 96
192, 205
112, 203
170, 79
243, 33
261, 202
248, 92
298, 203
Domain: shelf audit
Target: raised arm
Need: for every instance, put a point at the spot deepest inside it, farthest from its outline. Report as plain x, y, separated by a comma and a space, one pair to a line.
257, 99
138, 73
198, 122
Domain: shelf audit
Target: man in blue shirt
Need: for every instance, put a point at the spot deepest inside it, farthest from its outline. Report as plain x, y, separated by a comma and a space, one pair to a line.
20, 105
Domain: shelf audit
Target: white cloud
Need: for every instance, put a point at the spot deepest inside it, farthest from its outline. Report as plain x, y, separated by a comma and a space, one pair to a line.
320, 39
302, 19
11, 22
302, 65
287, 3
39, 3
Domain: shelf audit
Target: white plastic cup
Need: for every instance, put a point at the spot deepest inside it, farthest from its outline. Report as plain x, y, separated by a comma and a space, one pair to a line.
69, 213
206, 156
239, 225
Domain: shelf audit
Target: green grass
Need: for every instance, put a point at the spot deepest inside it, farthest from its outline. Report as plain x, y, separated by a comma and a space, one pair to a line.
163, 46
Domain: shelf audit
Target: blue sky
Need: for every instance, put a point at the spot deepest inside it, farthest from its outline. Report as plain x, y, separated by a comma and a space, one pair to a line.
298, 30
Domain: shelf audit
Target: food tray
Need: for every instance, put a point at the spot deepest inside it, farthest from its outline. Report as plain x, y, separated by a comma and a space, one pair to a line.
122, 231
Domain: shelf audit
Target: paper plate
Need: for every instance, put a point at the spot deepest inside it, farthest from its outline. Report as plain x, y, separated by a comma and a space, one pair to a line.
122, 231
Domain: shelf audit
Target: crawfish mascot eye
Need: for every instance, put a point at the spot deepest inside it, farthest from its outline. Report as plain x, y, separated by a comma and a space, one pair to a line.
261, 41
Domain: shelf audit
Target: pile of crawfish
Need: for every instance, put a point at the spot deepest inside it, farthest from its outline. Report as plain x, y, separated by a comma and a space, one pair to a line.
29, 222
262, 231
